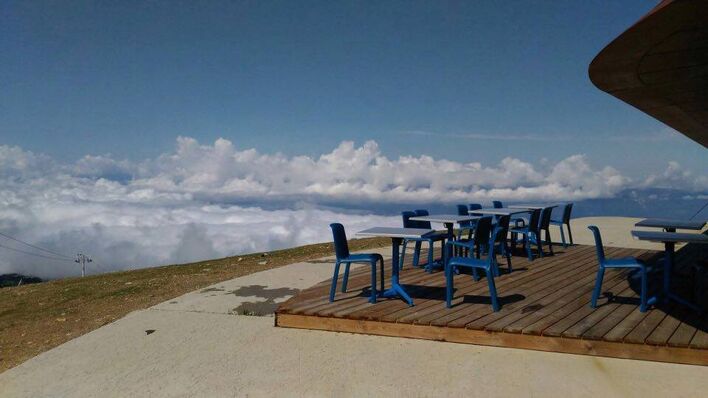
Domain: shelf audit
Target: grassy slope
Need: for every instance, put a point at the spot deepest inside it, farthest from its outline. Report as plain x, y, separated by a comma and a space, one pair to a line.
35, 318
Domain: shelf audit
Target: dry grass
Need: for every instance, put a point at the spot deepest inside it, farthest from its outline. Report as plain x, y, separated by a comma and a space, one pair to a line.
35, 318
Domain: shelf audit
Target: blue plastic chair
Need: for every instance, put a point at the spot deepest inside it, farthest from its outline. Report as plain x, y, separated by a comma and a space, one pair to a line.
463, 210
431, 239
497, 204
565, 221
488, 264
626, 262
480, 239
530, 234
502, 243
544, 226
473, 207
341, 249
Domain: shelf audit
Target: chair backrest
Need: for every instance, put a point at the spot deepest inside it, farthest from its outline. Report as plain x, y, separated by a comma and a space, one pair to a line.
534, 219
406, 216
503, 227
497, 236
483, 230
462, 210
475, 206
341, 247
423, 224
598, 244
545, 218
566, 213
497, 204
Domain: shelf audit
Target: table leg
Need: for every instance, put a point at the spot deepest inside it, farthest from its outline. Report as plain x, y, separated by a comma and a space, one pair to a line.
668, 265
396, 289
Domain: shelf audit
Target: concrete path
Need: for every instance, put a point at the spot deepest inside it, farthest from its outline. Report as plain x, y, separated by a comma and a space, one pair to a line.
197, 345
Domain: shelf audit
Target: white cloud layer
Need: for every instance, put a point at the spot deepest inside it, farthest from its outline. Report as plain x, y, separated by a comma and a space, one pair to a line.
198, 201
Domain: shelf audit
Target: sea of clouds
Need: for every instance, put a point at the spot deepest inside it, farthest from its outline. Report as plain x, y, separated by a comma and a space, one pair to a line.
206, 201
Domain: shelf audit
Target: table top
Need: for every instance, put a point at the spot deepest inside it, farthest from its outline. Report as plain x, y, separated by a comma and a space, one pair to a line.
445, 218
669, 223
393, 232
656, 236
532, 207
504, 211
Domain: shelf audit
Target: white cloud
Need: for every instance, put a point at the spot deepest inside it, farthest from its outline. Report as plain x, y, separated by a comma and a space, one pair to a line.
204, 201
675, 176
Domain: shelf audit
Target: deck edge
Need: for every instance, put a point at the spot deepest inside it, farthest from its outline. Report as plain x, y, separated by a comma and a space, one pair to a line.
679, 355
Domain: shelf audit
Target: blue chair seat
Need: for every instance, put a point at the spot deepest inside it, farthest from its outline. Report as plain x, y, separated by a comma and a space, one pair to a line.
362, 258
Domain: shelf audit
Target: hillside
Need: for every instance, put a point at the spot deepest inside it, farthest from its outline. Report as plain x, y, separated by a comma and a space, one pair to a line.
37, 317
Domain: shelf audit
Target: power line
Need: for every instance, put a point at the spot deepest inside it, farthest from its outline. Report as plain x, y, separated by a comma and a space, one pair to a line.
699, 211
35, 247
35, 254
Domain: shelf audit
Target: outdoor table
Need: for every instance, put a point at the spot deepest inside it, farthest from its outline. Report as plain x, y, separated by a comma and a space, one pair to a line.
531, 207
449, 220
504, 211
396, 235
669, 239
670, 225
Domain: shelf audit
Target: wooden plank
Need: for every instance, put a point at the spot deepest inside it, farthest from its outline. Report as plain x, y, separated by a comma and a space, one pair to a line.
700, 339
478, 320
539, 320
465, 286
665, 329
683, 335
469, 336
579, 313
600, 313
644, 328
467, 314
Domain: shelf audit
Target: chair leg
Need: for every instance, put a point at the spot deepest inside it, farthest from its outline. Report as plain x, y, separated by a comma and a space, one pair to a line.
570, 234
448, 286
429, 266
493, 292
372, 298
548, 239
333, 287
403, 254
565, 245
643, 293
527, 246
416, 254
382, 277
346, 277
508, 258
598, 287
539, 243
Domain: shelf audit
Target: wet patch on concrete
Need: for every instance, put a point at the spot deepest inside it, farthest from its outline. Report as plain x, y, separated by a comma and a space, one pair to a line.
260, 308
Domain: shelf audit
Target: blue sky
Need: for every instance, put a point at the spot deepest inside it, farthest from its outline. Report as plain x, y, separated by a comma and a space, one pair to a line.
126, 127
445, 79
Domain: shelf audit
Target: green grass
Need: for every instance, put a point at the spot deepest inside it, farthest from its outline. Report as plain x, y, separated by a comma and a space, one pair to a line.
37, 317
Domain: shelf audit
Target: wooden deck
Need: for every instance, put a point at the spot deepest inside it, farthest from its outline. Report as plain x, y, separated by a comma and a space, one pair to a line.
545, 306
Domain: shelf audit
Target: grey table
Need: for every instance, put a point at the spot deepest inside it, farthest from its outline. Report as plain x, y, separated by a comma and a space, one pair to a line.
669, 239
532, 207
449, 220
396, 235
670, 225
504, 211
